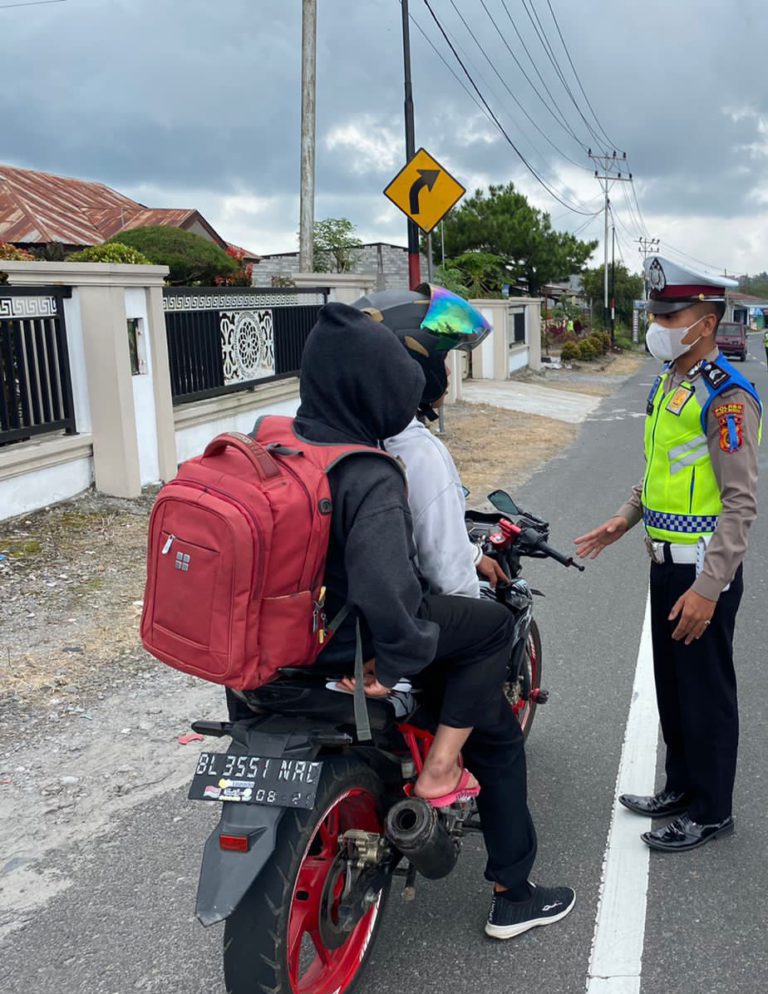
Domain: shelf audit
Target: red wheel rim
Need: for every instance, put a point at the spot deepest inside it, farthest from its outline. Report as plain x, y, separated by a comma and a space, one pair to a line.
524, 709
312, 967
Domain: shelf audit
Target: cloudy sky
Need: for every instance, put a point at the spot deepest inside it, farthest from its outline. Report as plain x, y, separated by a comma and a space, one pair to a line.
193, 103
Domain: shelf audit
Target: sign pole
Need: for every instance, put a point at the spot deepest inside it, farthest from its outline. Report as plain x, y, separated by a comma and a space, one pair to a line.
414, 267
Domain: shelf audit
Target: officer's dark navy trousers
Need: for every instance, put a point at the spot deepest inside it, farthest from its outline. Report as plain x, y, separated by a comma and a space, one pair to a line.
696, 693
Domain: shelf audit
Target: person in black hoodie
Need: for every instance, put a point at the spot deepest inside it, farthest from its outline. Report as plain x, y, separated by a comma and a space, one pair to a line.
359, 385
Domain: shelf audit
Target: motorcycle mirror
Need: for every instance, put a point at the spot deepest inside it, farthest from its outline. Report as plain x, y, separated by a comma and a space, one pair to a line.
466, 492
503, 502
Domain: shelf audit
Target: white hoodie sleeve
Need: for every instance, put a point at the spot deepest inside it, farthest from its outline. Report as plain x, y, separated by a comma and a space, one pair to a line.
446, 556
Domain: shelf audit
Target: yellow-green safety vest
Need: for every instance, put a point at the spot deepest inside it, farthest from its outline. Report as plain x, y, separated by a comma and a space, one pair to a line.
681, 495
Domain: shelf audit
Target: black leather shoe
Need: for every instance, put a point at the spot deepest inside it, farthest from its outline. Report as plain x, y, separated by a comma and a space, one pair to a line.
665, 804
683, 834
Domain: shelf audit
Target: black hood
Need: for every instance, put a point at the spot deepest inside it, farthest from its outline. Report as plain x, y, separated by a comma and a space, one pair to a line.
358, 384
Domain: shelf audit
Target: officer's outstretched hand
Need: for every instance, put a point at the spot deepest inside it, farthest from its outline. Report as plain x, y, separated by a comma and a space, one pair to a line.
590, 546
695, 613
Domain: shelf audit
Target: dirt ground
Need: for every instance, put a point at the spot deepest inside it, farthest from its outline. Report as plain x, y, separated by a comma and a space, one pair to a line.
497, 448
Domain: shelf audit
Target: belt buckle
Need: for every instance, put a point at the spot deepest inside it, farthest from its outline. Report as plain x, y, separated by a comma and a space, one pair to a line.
655, 550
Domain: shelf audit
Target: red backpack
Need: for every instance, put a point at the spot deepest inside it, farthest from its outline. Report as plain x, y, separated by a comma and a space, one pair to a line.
236, 558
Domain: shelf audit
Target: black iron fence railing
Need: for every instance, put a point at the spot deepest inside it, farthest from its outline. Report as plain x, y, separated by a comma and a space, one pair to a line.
35, 382
225, 339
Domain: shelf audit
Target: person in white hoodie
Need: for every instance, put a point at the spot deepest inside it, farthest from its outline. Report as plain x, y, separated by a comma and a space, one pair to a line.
430, 322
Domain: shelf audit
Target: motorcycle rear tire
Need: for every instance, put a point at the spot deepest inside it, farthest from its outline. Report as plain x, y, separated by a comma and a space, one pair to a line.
270, 935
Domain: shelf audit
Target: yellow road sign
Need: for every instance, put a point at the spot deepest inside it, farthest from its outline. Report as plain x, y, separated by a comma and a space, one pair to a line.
424, 190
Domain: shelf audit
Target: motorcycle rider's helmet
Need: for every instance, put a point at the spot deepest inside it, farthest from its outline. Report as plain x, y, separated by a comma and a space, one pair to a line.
429, 321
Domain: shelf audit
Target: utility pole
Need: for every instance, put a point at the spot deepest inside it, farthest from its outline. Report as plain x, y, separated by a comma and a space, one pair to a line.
414, 267
647, 246
611, 173
308, 91
613, 280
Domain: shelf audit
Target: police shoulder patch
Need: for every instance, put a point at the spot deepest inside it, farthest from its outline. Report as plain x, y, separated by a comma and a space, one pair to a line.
731, 429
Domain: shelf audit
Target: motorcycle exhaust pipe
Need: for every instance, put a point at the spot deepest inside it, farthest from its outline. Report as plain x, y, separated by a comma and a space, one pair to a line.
415, 829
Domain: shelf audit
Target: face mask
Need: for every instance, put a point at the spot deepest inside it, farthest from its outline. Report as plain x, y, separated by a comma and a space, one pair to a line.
667, 343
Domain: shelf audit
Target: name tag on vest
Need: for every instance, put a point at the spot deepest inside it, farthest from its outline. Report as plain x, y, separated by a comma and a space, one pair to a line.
679, 399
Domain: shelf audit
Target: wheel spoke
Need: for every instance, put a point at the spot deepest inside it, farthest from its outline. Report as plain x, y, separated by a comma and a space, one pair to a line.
325, 955
330, 831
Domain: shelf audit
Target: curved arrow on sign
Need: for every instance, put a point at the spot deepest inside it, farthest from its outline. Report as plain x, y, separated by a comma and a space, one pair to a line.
427, 178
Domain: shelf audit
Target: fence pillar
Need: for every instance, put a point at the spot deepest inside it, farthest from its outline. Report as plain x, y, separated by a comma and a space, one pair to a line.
108, 368
161, 384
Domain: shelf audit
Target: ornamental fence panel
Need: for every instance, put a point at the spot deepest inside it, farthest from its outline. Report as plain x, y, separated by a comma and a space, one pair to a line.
225, 339
35, 379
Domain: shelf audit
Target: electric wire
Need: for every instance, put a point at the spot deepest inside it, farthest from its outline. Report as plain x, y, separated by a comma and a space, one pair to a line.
542, 159
553, 193
506, 85
556, 113
538, 27
693, 258
578, 79
536, 69
30, 3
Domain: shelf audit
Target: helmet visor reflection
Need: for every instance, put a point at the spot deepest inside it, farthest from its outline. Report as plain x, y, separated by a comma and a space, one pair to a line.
456, 323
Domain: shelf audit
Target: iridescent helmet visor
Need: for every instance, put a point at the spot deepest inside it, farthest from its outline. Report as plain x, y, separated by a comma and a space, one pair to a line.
455, 322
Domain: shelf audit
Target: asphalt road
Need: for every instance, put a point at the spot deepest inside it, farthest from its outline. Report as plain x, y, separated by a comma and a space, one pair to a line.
126, 921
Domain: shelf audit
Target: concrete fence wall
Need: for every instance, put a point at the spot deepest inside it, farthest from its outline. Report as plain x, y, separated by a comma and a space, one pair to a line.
129, 434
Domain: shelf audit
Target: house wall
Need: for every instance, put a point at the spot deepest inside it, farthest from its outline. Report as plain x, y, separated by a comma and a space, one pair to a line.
386, 264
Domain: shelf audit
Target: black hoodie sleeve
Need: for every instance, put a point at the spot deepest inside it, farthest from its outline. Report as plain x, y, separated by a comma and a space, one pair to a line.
383, 583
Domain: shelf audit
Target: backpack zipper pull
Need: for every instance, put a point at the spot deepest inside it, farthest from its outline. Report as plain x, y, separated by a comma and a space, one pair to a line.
168, 543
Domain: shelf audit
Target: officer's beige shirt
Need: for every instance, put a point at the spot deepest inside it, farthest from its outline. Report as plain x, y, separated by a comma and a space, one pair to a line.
736, 473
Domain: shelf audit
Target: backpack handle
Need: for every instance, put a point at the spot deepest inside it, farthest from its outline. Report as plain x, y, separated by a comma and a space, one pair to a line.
265, 466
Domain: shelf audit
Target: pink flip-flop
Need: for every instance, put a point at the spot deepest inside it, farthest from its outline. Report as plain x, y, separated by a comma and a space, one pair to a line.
460, 794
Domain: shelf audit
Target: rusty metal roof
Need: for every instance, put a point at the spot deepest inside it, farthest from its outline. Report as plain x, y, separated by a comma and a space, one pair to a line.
40, 207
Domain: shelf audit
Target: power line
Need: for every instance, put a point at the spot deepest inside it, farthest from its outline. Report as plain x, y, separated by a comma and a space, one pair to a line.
538, 27
578, 80
489, 88
529, 167
556, 113
685, 255
504, 83
29, 3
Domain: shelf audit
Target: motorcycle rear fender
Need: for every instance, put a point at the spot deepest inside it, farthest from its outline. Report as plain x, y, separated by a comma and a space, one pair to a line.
226, 877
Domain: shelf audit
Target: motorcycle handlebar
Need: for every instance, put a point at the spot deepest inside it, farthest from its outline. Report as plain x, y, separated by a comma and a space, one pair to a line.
558, 556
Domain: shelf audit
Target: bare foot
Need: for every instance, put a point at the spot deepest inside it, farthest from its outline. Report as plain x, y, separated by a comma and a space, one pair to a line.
432, 784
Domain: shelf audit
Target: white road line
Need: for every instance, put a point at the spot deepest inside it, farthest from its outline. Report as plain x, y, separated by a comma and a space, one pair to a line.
615, 966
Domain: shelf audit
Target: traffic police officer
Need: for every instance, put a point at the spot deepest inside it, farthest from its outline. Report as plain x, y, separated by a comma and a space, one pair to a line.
697, 500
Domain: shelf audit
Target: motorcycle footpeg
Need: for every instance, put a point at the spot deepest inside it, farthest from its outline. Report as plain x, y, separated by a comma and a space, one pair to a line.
539, 695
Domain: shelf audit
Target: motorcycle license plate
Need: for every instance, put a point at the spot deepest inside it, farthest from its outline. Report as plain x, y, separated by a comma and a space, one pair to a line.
277, 783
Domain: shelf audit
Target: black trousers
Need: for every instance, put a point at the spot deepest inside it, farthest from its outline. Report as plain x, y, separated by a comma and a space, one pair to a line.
696, 693
464, 686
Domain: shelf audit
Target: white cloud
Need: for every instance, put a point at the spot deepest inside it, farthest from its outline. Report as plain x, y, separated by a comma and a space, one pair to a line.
367, 145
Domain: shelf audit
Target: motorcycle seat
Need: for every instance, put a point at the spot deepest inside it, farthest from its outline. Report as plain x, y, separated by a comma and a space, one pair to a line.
306, 696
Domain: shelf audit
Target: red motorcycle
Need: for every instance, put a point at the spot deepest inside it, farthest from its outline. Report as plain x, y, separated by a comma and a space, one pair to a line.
315, 825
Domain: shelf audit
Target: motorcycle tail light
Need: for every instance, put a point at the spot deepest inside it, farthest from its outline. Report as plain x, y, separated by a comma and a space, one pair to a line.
234, 843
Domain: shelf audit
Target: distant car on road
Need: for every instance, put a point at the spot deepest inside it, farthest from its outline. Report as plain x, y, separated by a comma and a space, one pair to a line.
732, 339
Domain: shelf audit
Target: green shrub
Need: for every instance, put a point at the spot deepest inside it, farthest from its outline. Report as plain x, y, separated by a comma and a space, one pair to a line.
111, 252
587, 350
569, 352
191, 259
597, 341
